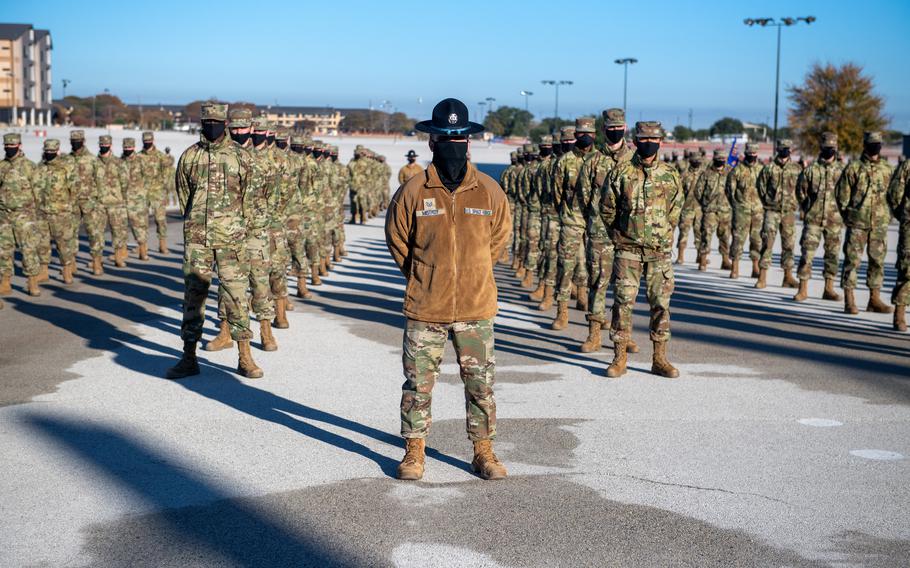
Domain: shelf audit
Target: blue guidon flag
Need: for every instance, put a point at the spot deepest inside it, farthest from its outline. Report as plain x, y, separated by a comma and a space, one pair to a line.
732, 158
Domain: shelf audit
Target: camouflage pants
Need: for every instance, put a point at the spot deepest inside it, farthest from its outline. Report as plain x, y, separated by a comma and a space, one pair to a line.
600, 274
549, 249
571, 255
516, 229
158, 203
689, 220
812, 236
900, 296
357, 204
423, 347
44, 239
715, 222
233, 269
747, 225
262, 303
511, 236
137, 210
278, 273
19, 229
522, 241
874, 242
531, 253
303, 243
627, 270
328, 234
115, 216
786, 223
89, 214
62, 229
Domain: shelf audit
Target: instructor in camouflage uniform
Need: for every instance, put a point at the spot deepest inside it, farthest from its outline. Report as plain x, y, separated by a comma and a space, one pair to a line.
899, 201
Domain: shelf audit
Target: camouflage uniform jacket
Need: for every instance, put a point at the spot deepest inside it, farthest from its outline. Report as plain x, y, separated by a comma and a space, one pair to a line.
642, 205
285, 186
591, 182
503, 179
709, 190
545, 185
53, 181
87, 176
777, 186
308, 190
215, 185
16, 193
132, 180
815, 191
568, 200
529, 187
265, 179
861, 193
742, 187
360, 174
899, 193
112, 181
156, 166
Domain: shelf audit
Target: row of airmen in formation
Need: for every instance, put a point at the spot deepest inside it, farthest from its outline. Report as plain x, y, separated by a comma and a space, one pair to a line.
556, 189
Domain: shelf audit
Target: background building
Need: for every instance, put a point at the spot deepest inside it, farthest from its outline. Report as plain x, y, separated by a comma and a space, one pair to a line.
25, 75
318, 120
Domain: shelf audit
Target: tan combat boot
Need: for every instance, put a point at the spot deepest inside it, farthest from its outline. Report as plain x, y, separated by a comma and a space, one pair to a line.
43, 275
617, 367
547, 302
188, 365
573, 291
726, 263
829, 293
876, 304
520, 273
789, 281
850, 302
265, 333
734, 270
411, 466
755, 268
314, 275
143, 251
344, 251
594, 341
328, 263
33, 288
321, 267
222, 340
120, 256
336, 253
528, 280
632, 347
702, 262
803, 291
6, 287
537, 295
67, 273
681, 255
485, 463
562, 316
515, 264
581, 302
246, 367
659, 363
762, 278
900, 318
302, 292
281, 317
162, 246
97, 268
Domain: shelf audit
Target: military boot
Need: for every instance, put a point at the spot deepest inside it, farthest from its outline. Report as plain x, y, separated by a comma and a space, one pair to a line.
97, 268
850, 302
143, 251
5, 286
520, 273
547, 302
537, 295
515, 263
803, 291
43, 275
411, 466
829, 293
734, 270
344, 251
594, 341
755, 268
302, 292
726, 263
900, 318
582, 299
314, 275
33, 287
188, 365
485, 463
120, 256
762, 278
222, 340
702, 262
876, 304
246, 367
789, 281
528, 280
328, 263
67, 273
617, 367
562, 316
265, 333
573, 291
323, 270
162, 246
659, 363
681, 255
632, 347
281, 317
336, 253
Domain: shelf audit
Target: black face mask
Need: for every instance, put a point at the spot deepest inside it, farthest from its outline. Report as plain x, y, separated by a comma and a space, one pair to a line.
317, 153
557, 150
694, 164
334, 157
451, 161
76, 145
584, 141
412, 160
147, 145
240, 138
48, 156
307, 151
282, 144
873, 149
212, 130
614, 136
647, 149
258, 138
11, 152
104, 149
270, 139
783, 153
544, 152
567, 147
750, 159
297, 149
827, 153
127, 153
719, 163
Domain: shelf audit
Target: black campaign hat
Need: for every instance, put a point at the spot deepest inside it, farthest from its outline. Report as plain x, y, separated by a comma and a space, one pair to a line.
450, 118
411, 154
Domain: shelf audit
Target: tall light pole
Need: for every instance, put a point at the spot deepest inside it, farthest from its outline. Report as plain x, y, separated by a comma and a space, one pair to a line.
490, 101
625, 77
556, 110
526, 94
764, 22
66, 82
480, 106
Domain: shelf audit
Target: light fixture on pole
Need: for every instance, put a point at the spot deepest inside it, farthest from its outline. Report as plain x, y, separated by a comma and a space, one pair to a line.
490, 101
66, 83
526, 94
625, 77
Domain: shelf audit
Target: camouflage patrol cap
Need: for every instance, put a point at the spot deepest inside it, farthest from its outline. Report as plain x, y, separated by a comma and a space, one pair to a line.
298, 140
784, 143
829, 139
520, 151
239, 118
751, 148
535, 150
872, 137
129, 143
12, 138
702, 151
648, 129
281, 133
719, 153
546, 140
513, 154
584, 125
528, 148
77, 135
214, 111
51, 144
614, 117
148, 136
105, 140
567, 133
260, 123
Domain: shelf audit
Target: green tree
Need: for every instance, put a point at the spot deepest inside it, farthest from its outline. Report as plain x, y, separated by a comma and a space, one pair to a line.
508, 121
726, 125
681, 133
837, 99
548, 126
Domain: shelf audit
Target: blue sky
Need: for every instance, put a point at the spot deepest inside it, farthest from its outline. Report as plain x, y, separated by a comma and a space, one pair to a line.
696, 55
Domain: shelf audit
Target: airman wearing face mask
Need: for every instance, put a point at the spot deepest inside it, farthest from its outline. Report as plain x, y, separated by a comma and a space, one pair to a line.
777, 189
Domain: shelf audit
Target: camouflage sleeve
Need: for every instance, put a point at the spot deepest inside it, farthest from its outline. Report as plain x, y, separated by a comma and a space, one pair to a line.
676, 199
608, 199
398, 231
730, 187
583, 184
842, 189
802, 189
182, 183
897, 190
761, 185
699, 188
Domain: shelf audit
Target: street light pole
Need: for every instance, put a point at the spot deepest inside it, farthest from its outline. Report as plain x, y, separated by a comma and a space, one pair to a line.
526, 94
490, 101
625, 77
65, 83
556, 109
